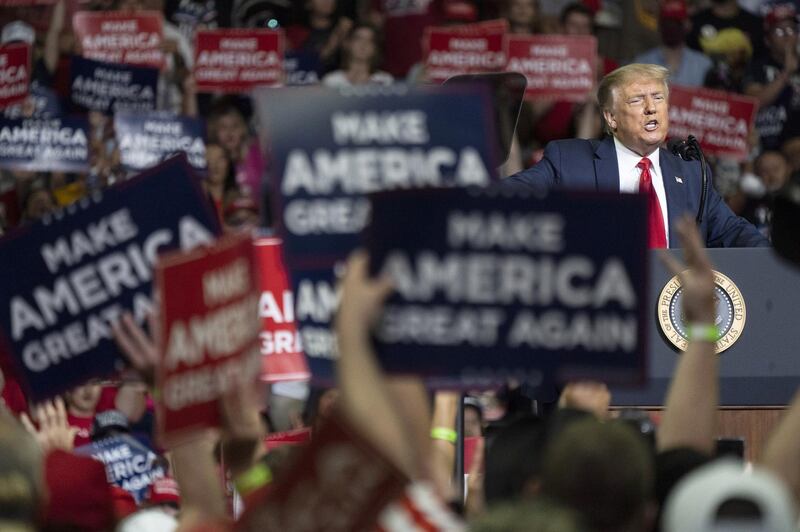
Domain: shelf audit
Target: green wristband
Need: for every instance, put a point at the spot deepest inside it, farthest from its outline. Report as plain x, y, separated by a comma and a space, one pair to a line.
443, 433
702, 332
256, 477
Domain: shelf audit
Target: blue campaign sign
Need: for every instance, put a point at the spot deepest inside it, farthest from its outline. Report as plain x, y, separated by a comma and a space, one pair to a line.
130, 464
65, 279
353, 143
48, 144
146, 139
42, 102
302, 68
491, 286
111, 87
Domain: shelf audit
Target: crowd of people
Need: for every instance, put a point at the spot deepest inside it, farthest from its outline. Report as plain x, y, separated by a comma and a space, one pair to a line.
567, 466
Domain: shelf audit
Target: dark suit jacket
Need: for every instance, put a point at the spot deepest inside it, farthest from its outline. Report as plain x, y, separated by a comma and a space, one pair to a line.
592, 165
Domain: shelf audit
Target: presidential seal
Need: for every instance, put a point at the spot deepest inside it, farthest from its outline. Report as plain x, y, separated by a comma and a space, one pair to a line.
731, 312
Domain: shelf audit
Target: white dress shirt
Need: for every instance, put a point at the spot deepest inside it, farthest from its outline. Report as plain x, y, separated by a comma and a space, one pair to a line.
629, 177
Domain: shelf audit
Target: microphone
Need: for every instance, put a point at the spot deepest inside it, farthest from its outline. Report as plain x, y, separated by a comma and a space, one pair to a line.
689, 150
683, 149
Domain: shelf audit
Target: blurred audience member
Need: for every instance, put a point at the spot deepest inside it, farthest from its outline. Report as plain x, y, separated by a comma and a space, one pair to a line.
81, 407
473, 417
724, 496
227, 127
686, 66
21, 478
361, 57
403, 25
322, 31
730, 50
775, 81
220, 179
723, 14
522, 16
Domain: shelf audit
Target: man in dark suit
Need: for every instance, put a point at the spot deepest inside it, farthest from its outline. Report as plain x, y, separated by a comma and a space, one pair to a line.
634, 103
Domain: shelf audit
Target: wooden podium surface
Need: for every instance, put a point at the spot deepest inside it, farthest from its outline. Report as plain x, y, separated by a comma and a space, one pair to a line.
752, 424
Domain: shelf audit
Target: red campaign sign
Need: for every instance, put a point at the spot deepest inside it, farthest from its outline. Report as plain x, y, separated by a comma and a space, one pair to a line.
237, 60
209, 333
556, 66
283, 358
721, 121
289, 437
468, 49
15, 73
120, 37
338, 483
21, 3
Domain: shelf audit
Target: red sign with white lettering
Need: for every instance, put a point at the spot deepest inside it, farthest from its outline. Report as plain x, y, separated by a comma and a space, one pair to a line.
721, 121
209, 333
289, 437
279, 339
15, 73
556, 66
468, 49
120, 37
338, 483
237, 60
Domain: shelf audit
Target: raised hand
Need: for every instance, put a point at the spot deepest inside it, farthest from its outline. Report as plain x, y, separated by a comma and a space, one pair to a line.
53, 432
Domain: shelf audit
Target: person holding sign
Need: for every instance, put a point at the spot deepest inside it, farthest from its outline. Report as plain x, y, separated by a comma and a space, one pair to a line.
634, 100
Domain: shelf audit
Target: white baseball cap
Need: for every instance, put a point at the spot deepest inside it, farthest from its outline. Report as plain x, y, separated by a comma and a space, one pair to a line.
17, 31
695, 504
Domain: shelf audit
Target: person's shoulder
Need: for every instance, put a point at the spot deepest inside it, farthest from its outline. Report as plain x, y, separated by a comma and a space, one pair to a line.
381, 77
575, 144
697, 56
570, 150
648, 56
335, 79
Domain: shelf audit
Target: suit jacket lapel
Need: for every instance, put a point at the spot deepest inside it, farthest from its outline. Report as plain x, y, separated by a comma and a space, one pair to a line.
675, 191
606, 169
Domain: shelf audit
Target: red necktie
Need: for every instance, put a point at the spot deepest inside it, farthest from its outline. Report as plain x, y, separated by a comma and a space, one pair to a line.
655, 222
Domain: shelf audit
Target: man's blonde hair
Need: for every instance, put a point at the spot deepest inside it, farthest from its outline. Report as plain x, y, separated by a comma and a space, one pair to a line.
624, 75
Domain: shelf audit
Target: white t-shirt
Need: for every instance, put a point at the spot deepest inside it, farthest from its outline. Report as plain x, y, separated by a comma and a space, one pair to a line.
338, 79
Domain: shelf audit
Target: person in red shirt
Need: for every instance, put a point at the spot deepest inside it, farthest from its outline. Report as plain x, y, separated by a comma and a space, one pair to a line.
403, 23
81, 407
561, 119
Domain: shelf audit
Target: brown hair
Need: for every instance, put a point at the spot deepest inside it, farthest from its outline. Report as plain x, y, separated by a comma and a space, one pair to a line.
602, 470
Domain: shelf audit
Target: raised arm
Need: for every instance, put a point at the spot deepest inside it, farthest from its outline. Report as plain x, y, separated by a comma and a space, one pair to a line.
782, 453
691, 406
364, 395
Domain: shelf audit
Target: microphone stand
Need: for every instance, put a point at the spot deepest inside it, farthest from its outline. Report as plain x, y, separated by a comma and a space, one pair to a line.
698, 154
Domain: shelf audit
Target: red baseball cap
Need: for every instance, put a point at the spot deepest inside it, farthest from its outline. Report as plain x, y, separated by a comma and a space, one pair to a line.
80, 496
674, 9
164, 491
778, 14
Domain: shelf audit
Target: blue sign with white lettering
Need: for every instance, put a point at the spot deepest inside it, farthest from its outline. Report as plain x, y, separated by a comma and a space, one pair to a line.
491, 287
146, 139
42, 102
130, 464
48, 144
111, 87
65, 279
302, 68
353, 143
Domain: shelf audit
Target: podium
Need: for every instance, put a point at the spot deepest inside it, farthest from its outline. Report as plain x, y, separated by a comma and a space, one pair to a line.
763, 367
760, 373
